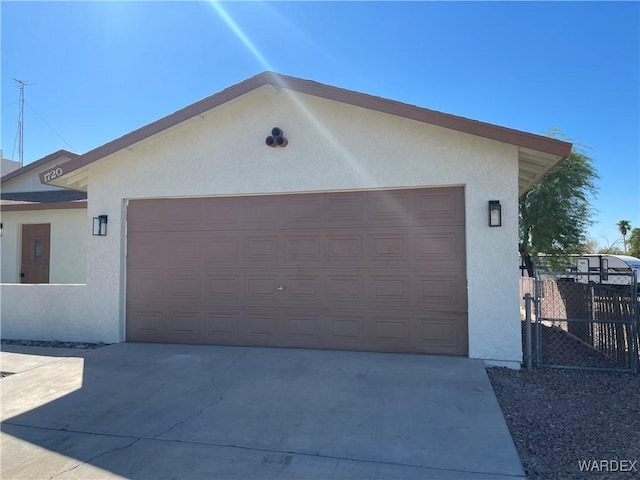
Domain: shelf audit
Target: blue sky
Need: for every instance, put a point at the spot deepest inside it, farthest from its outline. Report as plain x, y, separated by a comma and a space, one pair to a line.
102, 69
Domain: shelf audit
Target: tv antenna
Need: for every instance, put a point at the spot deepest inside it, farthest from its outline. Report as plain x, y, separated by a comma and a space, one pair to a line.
21, 85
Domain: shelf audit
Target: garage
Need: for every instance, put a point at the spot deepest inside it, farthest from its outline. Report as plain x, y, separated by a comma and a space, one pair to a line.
370, 270
366, 227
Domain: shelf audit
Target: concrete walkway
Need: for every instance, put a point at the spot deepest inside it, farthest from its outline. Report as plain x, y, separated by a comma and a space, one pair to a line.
201, 412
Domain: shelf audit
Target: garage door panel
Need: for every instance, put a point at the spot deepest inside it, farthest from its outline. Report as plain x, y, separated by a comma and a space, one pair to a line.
261, 327
346, 330
301, 248
381, 271
146, 324
305, 288
388, 207
221, 326
441, 206
184, 323
380, 330
438, 246
146, 285
145, 250
223, 213
146, 216
442, 332
390, 330
185, 252
347, 288
260, 249
386, 288
302, 210
260, 211
302, 327
263, 288
148, 321
441, 291
344, 209
185, 215
221, 249
185, 286
222, 287
345, 248
389, 248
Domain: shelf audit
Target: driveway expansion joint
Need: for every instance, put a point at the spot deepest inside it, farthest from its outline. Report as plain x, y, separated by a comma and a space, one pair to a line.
338, 459
92, 459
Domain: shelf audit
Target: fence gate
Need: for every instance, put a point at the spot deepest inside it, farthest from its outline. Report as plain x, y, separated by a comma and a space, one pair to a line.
584, 324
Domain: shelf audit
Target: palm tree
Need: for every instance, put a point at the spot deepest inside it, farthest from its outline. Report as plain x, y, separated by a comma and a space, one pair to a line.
624, 226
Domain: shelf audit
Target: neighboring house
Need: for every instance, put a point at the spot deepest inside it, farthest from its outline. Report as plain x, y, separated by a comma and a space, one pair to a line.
6, 165
43, 227
367, 229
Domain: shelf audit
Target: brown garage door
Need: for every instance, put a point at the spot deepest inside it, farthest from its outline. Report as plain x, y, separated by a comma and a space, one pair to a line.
378, 271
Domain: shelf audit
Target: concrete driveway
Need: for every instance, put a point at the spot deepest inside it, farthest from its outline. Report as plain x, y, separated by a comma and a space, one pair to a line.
203, 412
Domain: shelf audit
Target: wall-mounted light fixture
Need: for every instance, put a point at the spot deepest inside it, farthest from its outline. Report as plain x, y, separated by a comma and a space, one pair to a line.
100, 225
1, 229
495, 213
276, 139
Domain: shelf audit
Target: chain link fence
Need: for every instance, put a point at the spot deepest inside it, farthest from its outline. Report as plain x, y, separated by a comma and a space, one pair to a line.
578, 323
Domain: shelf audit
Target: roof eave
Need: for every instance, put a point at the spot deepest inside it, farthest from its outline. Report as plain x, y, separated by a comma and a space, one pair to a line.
542, 144
33, 165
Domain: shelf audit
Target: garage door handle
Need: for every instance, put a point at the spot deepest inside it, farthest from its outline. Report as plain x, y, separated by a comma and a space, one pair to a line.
280, 288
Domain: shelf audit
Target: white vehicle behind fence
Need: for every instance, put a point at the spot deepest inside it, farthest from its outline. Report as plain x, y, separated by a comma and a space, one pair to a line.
605, 269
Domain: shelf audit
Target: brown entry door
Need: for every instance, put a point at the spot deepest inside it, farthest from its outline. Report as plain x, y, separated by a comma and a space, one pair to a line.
35, 253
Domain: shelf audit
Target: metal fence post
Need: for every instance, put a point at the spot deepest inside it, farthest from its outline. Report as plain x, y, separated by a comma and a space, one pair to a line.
527, 330
635, 321
538, 312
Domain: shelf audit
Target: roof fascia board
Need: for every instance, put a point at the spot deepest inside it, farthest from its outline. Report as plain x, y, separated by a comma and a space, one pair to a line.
465, 125
453, 122
164, 123
37, 163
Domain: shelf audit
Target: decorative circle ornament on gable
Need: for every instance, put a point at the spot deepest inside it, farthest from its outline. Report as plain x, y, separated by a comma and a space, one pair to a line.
276, 139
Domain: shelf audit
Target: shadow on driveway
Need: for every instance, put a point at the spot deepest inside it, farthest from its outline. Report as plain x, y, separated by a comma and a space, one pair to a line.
184, 411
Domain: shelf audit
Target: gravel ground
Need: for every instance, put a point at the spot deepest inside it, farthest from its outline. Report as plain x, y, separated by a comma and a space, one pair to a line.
559, 418
44, 343
56, 344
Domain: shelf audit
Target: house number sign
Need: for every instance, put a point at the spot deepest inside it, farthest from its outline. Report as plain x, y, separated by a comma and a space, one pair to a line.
51, 174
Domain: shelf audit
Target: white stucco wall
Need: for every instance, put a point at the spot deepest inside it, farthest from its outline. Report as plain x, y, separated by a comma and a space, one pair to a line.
332, 146
49, 312
68, 251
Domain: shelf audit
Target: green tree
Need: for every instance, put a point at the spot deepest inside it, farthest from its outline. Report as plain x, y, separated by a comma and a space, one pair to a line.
555, 213
613, 250
634, 243
591, 246
624, 226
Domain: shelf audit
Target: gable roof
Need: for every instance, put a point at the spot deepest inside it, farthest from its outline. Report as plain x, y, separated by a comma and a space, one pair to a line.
38, 163
537, 154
